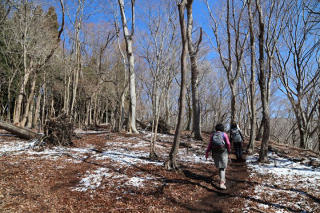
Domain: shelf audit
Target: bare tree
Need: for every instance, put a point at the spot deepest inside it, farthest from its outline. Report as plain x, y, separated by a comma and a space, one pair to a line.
298, 70
77, 44
129, 49
263, 90
157, 50
171, 163
193, 51
36, 51
252, 79
236, 38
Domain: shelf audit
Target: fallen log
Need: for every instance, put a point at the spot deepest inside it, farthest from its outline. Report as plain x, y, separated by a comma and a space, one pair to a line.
18, 131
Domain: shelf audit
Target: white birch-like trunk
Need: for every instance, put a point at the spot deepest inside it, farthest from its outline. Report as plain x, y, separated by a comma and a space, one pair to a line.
129, 49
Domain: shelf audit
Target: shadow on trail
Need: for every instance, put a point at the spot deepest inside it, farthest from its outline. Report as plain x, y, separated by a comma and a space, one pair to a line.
215, 199
237, 180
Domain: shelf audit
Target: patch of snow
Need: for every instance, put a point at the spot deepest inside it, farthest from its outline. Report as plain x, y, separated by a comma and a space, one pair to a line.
127, 157
283, 167
191, 157
93, 180
15, 146
135, 181
148, 134
80, 131
290, 182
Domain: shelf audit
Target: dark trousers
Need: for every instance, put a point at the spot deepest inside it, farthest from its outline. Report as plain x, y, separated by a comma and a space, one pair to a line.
238, 149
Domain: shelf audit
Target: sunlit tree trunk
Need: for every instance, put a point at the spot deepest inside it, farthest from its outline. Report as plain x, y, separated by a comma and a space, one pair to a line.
252, 81
37, 110
29, 102
193, 51
263, 88
129, 49
171, 163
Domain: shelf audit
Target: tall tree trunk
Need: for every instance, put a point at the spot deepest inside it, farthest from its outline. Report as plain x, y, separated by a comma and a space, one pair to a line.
9, 103
27, 72
233, 102
31, 114
52, 112
252, 82
29, 102
155, 108
263, 157
171, 163
66, 103
121, 109
37, 110
44, 102
18, 105
189, 113
193, 51
77, 70
76, 73
87, 114
319, 124
129, 48
9, 94
167, 105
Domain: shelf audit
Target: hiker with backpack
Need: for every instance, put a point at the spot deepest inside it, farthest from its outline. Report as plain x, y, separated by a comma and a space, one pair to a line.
220, 146
237, 140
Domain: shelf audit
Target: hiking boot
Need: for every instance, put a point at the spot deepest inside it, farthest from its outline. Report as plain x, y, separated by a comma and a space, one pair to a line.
222, 185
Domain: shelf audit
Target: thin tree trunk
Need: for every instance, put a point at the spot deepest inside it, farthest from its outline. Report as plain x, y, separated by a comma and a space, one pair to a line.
263, 157
77, 70
18, 105
37, 110
31, 115
9, 94
44, 102
319, 125
29, 102
87, 114
167, 106
9, 102
193, 51
155, 112
189, 112
233, 102
171, 162
75, 83
66, 104
129, 48
52, 110
252, 82
27, 72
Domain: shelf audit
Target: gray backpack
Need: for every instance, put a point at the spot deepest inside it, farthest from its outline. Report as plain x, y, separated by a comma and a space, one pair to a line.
235, 135
218, 144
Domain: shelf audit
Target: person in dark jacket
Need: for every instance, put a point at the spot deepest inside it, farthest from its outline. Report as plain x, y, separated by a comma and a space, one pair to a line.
220, 156
237, 140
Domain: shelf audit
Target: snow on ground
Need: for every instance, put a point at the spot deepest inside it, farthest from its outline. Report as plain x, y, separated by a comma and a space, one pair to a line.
287, 185
284, 185
80, 131
122, 153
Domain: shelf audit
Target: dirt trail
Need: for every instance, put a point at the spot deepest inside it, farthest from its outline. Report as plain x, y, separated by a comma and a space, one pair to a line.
217, 200
28, 181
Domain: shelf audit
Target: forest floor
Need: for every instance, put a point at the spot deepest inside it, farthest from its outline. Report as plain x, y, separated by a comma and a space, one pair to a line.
109, 172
